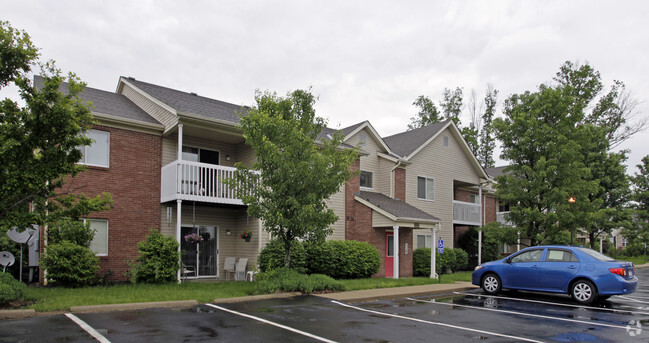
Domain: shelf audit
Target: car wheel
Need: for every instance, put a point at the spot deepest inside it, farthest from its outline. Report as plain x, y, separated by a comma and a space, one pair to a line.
584, 292
491, 284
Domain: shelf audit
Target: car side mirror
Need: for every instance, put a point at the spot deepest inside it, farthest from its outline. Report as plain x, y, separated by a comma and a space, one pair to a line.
508, 260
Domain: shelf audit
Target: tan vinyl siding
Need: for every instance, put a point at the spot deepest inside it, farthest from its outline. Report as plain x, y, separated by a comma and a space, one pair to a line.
337, 204
370, 162
385, 170
161, 114
444, 165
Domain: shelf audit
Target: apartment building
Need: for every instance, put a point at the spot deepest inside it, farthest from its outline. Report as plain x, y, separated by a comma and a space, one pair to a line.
163, 154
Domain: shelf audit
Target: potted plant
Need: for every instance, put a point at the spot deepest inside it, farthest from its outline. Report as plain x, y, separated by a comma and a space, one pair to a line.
193, 238
246, 235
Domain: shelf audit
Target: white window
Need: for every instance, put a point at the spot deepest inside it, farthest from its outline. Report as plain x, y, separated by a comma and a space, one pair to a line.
445, 140
99, 244
366, 179
423, 241
425, 188
624, 242
362, 138
97, 153
473, 198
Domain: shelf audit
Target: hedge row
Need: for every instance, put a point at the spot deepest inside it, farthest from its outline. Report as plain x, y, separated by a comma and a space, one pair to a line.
337, 259
289, 280
450, 260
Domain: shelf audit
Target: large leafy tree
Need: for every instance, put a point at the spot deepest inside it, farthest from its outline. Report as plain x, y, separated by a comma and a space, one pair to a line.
560, 148
639, 231
487, 141
39, 139
295, 172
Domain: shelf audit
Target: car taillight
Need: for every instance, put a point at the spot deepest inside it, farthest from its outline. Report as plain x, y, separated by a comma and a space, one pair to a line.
618, 271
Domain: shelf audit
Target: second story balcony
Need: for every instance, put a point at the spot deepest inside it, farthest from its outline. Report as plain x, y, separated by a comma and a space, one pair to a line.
501, 217
197, 181
466, 213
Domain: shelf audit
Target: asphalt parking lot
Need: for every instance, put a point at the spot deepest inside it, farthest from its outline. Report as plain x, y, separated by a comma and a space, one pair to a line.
452, 317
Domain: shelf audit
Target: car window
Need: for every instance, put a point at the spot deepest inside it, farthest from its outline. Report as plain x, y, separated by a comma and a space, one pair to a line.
528, 256
555, 255
596, 255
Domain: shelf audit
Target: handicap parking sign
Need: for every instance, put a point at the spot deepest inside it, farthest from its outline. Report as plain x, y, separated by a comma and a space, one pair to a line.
440, 246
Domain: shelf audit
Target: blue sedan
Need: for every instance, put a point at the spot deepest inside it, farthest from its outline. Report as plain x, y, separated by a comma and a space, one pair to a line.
583, 273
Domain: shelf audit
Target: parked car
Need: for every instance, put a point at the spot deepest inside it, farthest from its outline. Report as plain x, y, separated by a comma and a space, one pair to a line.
583, 273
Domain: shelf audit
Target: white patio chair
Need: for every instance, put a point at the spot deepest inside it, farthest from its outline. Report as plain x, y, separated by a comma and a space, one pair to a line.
228, 266
186, 270
240, 272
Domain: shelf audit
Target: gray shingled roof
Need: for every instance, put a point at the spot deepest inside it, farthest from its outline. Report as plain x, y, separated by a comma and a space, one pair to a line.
106, 102
495, 171
191, 103
405, 143
395, 207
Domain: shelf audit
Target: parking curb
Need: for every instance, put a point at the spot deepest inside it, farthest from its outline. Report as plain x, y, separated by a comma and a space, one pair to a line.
397, 292
132, 306
255, 297
17, 314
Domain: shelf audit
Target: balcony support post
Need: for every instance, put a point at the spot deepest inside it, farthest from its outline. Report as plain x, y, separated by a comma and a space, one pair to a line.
178, 222
395, 259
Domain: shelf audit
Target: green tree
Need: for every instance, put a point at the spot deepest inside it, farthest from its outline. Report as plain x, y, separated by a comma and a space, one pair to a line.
39, 140
487, 143
428, 113
639, 232
295, 172
560, 148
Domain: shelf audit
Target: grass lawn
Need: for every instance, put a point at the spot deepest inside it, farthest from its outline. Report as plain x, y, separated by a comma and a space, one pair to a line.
56, 298
60, 299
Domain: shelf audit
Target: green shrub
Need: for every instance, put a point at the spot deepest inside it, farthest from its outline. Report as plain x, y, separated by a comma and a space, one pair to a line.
70, 264
490, 245
450, 260
289, 280
10, 288
158, 260
343, 259
272, 256
73, 231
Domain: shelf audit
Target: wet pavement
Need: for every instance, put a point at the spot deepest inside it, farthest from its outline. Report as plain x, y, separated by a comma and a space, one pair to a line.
451, 317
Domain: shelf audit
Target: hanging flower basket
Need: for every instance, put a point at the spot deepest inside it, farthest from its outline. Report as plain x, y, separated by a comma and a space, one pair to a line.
246, 235
193, 238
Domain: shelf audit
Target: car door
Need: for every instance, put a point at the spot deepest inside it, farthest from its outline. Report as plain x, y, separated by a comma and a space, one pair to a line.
521, 272
557, 269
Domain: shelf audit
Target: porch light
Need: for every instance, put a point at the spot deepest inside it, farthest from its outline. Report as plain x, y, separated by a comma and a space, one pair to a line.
228, 232
572, 200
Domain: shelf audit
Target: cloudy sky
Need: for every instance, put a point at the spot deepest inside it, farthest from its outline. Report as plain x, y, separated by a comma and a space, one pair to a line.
366, 60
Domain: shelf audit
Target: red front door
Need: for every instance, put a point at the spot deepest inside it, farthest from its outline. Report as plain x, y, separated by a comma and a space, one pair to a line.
389, 254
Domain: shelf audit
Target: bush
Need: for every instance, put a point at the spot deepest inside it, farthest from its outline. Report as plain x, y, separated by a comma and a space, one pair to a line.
450, 260
289, 280
73, 231
10, 288
272, 256
343, 259
70, 264
490, 246
158, 260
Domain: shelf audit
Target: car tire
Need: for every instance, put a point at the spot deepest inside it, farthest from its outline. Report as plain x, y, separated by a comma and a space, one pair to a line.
584, 292
491, 284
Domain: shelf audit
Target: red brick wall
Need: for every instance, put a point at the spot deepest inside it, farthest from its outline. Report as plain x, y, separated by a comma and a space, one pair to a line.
462, 195
490, 208
133, 179
400, 184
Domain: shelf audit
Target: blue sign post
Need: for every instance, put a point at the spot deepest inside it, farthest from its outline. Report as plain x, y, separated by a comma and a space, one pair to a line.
440, 246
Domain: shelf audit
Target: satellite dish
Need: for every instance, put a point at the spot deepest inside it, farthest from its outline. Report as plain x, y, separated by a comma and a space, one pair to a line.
7, 259
18, 237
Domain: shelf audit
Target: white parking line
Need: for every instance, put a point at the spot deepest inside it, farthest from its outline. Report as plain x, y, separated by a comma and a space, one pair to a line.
272, 323
551, 303
87, 328
520, 314
633, 299
435, 323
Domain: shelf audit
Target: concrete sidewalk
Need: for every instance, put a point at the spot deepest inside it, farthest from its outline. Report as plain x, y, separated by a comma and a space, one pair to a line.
398, 292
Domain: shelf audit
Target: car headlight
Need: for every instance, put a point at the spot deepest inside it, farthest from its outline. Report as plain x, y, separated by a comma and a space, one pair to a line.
477, 267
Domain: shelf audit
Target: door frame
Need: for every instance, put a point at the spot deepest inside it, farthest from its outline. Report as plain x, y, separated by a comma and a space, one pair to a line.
217, 231
389, 259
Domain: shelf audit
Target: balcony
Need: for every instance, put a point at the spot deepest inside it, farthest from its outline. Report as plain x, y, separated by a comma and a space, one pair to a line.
466, 213
502, 219
194, 181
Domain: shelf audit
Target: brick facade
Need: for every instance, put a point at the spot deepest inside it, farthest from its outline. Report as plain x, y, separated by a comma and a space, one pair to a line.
400, 184
133, 180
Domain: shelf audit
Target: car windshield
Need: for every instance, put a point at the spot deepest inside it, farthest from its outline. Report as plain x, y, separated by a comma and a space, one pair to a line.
596, 255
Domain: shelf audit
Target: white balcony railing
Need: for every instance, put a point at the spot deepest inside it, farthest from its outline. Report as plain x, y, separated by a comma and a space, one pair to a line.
501, 217
466, 213
196, 181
